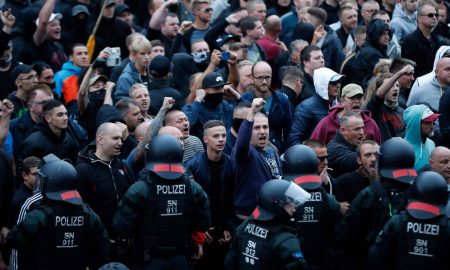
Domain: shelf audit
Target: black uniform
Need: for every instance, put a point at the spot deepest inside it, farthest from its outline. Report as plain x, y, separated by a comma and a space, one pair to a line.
410, 243
58, 235
162, 214
315, 220
265, 245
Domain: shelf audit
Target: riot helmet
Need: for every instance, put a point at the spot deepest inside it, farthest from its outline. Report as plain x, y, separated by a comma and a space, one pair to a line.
164, 157
274, 195
428, 196
396, 160
58, 181
114, 266
300, 165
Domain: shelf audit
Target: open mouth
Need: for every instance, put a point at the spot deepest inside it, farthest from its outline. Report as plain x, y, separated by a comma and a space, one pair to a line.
185, 130
262, 139
356, 107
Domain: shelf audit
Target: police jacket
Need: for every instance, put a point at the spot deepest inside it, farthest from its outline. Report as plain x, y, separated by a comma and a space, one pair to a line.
368, 213
102, 184
315, 221
200, 170
162, 213
59, 235
265, 245
410, 243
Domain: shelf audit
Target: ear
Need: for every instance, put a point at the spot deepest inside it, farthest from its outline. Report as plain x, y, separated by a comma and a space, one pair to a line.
47, 117
205, 139
358, 159
24, 174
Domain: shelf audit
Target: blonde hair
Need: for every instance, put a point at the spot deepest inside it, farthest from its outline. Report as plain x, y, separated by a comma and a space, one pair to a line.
140, 44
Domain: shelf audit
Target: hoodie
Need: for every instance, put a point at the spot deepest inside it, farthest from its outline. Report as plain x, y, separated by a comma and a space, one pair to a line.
327, 127
422, 148
129, 76
402, 23
308, 113
63, 78
427, 89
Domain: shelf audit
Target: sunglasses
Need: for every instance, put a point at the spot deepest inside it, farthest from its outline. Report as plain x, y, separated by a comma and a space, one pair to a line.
431, 15
322, 158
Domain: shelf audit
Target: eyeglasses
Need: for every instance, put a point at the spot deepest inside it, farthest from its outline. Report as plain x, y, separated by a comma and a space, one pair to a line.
334, 83
430, 15
206, 10
29, 78
263, 78
322, 158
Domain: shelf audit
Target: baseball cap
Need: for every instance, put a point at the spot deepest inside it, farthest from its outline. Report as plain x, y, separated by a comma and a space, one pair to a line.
80, 9
160, 66
429, 116
19, 69
120, 9
351, 90
213, 80
336, 77
52, 17
94, 79
109, 2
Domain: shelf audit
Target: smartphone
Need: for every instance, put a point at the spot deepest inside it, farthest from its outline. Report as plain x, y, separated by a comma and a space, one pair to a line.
225, 56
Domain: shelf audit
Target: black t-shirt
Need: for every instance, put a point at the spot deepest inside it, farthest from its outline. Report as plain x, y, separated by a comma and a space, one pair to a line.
350, 184
7, 83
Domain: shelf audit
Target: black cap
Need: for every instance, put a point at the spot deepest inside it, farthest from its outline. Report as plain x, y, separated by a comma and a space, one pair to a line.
213, 80
160, 66
19, 69
80, 9
121, 9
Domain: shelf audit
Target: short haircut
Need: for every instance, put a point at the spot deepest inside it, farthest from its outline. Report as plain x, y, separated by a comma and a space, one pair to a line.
251, 4
295, 43
368, 2
258, 62
76, 45
134, 87
123, 105
398, 63
50, 105
31, 162
344, 8
313, 143
306, 52
212, 123
169, 14
169, 115
244, 63
140, 44
424, 3
131, 37
241, 105
292, 74
358, 148
198, 2
360, 29
379, 12
248, 23
346, 118
318, 13
33, 93
157, 43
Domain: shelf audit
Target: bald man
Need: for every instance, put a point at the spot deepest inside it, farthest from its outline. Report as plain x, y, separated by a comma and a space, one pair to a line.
440, 161
270, 42
427, 89
141, 130
103, 177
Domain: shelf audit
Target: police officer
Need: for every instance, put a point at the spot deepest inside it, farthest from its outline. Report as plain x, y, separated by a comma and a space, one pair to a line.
315, 219
377, 203
163, 208
264, 241
61, 232
419, 238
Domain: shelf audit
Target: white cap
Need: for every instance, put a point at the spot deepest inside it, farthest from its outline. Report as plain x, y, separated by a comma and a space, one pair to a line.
52, 17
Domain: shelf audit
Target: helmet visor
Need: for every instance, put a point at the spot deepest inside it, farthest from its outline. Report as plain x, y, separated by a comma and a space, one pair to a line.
294, 195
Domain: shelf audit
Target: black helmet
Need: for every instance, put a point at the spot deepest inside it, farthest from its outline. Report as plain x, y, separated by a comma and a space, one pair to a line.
396, 160
428, 196
113, 266
301, 165
164, 156
58, 180
274, 195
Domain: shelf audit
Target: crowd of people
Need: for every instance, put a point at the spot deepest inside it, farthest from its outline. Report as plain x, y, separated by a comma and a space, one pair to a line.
200, 134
